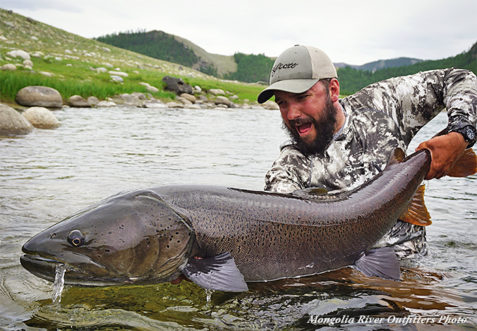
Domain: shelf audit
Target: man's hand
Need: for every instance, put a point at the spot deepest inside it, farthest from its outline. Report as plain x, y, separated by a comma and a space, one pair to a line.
445, 151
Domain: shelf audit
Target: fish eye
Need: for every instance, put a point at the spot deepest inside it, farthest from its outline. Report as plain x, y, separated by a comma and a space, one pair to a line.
76, 238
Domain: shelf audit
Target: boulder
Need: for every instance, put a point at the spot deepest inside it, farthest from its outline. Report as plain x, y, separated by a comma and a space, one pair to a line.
216, 91
184, 101
9, 67
176, 85
152, 89
221, 100
19, 53
117, 79
154, 103
12, 122
173, 104
106, 104
41, 96
134, 99
189, 97
41, 118
78, 101
139, 95
149, 88
92, 101
271, 105
197, 89
118, 73
46, 73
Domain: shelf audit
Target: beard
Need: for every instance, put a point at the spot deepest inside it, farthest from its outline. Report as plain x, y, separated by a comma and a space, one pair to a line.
324, 127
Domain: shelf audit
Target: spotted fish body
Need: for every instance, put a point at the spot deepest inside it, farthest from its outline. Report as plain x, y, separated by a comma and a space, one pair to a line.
220, 237
273, 236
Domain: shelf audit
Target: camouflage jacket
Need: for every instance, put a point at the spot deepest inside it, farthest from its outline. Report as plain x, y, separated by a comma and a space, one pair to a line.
379, 118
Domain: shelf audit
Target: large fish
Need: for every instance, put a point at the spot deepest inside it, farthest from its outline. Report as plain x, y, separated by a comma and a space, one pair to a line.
221, 238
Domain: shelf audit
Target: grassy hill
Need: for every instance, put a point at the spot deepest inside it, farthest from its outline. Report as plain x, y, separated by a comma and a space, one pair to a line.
160, 45
70, 63
168, 47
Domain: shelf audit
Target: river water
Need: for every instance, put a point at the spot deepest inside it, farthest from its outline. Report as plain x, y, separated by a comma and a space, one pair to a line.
50, 174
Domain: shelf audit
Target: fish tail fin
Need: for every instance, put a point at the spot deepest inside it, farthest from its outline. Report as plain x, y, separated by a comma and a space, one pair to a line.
417, 212
465, 166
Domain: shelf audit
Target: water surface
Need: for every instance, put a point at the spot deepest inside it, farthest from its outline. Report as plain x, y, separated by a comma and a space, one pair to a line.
50, 174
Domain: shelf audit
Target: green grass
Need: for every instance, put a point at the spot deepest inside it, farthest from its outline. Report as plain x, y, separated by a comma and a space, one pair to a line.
79, 79
12, 82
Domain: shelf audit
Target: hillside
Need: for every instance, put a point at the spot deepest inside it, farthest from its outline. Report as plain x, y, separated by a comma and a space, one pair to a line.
77, 65
353, 79
160, 45
381, 64
168, 47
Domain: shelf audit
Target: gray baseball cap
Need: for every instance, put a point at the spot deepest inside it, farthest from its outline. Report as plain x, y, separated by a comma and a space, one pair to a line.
297, 69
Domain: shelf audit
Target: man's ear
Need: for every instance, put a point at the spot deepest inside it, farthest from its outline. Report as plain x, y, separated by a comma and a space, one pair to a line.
334, 88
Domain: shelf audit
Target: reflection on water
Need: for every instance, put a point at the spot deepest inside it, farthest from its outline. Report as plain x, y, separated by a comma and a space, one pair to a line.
50, 174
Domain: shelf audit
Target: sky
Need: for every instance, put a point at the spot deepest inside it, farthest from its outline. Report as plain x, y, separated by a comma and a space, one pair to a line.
350, 31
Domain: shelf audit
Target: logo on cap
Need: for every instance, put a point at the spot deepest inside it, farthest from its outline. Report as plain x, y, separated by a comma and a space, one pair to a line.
281, 66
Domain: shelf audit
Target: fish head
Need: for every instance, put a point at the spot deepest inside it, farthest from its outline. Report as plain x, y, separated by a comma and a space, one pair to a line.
130, 238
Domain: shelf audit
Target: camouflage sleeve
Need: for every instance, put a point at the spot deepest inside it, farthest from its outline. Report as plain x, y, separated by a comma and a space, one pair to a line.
289, 172
414, 100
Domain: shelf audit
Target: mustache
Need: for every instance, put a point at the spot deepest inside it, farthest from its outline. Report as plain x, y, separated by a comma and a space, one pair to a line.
300, 121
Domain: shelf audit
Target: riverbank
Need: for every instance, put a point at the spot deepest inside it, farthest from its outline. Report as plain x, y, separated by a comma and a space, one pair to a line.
36, 54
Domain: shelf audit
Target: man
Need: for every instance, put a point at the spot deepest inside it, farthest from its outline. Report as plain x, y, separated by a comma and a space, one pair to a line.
339, 144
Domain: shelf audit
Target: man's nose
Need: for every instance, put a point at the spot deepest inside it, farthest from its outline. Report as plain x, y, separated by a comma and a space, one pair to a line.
294, 111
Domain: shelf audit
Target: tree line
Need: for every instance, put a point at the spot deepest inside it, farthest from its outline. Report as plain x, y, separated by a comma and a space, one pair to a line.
256, 68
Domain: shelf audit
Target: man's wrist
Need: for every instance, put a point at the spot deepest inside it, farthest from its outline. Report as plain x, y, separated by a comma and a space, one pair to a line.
469, 133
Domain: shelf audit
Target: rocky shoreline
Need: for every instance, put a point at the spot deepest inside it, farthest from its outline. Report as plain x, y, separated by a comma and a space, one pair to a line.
37, 103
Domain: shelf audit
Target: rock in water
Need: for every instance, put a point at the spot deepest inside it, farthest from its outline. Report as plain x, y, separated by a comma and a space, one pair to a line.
41, 118
78, 101
12, 122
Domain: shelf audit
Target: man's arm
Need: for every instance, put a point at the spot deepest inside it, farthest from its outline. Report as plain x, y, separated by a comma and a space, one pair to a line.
412, 101
289, 172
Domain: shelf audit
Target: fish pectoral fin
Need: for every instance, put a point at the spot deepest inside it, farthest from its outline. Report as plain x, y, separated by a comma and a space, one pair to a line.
311, 192
397, 156
379, 262
417, 212
216, 273
465, 166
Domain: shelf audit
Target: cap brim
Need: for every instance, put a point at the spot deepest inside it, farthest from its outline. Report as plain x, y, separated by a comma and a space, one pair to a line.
292, 86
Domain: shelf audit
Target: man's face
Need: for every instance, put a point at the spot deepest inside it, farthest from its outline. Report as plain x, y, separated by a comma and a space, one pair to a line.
309, 117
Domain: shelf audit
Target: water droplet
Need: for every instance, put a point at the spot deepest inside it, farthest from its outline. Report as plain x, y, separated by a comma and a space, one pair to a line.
59, 282
208, 294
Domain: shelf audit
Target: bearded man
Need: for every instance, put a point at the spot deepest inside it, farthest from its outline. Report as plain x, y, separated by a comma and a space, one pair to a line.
338, 144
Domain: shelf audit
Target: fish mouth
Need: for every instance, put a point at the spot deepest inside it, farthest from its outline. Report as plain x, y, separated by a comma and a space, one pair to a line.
40, 266
46, 268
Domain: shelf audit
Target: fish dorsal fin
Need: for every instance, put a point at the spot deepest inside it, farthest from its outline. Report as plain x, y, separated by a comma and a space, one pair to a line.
397, 156
417, 212
465, 166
